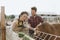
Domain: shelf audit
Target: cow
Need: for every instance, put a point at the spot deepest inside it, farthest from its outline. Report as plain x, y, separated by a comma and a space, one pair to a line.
47, 31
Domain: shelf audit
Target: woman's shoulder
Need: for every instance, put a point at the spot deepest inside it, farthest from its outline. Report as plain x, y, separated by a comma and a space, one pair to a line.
15, 21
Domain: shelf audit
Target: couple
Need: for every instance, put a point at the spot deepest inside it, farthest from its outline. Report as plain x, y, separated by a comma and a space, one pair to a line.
33, 21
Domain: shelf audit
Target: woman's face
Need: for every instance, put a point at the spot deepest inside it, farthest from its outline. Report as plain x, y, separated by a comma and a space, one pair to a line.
24, 16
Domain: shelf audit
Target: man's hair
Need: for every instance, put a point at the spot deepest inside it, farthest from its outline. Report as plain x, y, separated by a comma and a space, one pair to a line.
34, 8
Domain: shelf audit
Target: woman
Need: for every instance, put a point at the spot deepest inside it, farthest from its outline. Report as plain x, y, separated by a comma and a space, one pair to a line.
18, 25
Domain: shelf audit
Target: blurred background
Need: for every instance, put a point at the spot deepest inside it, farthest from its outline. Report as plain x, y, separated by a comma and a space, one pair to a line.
49, 10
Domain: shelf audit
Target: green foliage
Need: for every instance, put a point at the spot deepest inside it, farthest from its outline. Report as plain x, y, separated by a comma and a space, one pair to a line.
10, 16
21, 34
25, 38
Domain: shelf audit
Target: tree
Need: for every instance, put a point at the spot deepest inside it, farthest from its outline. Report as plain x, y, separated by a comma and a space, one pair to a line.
12, 16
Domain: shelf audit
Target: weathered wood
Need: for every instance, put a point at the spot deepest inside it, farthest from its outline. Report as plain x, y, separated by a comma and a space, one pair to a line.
3, 23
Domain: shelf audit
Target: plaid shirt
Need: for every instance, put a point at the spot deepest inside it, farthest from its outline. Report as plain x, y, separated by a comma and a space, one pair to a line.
34, 21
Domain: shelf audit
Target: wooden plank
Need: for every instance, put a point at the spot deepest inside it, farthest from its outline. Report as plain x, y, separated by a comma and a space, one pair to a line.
3, 23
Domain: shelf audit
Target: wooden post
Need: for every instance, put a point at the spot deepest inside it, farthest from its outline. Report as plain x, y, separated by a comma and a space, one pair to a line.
3, 23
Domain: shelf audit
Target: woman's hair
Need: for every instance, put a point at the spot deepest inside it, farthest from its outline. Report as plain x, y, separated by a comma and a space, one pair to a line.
22, 13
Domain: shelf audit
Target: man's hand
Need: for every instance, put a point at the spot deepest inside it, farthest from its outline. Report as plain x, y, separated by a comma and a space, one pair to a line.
39, 24
34, 29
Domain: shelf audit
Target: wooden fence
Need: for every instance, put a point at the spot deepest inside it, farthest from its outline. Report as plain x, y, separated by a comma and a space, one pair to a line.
3, 23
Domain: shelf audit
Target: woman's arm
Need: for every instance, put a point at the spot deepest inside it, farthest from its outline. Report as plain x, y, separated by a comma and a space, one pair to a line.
14, 26
27, 25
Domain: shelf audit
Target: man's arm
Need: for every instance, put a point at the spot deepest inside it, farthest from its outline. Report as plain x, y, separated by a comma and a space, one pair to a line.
41, 21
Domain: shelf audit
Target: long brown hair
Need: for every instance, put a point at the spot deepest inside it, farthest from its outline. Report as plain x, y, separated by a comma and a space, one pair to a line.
22, 13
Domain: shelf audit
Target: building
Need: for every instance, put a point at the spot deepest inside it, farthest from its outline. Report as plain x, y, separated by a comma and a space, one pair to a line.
51, 18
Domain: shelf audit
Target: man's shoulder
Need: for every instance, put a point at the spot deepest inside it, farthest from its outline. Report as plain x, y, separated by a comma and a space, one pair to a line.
31, 16
38, 16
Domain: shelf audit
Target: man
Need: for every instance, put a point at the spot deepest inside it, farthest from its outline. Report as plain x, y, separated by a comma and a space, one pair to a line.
34, 20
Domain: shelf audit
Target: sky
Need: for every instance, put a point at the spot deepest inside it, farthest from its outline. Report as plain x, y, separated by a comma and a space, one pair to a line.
17, 6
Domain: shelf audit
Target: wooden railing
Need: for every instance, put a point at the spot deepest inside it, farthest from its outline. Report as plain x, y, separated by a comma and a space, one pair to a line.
46, 36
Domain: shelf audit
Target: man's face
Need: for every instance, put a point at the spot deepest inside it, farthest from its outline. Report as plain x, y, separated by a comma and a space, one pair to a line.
33, 12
